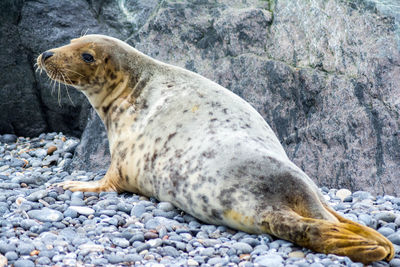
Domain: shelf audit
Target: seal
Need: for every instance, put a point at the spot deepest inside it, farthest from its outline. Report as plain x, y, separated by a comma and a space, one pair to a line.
182, 138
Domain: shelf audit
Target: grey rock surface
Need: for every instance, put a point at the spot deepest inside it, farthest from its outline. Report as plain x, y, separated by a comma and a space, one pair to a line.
328, 88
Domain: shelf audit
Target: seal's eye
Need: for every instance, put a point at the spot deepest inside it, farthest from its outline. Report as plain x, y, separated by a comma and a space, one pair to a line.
88, 58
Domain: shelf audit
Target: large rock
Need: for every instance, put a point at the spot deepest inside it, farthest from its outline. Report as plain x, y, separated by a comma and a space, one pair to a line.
325, 74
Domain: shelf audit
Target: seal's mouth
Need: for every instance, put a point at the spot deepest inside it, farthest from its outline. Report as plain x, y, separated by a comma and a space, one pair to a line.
55, 73
52, 70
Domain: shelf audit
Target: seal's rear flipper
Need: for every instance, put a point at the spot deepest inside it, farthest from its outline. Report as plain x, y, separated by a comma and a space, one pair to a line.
345, 238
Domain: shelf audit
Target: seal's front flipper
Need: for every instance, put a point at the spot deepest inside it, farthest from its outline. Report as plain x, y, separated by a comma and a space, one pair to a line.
345, 238
107, 184
93, 186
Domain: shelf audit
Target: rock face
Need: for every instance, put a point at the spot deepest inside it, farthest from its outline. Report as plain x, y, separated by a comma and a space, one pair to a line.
324, 74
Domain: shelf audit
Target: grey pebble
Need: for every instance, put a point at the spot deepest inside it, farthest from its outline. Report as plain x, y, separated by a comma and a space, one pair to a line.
6, 246
242, 248
165, 206
120, 242
269, 260
142, 247
170, 251
386, 216
46, 215
23, 263
395, 238
11, 255
395, 263
218, 261
35, 196
207, 252
386, 231
137, 237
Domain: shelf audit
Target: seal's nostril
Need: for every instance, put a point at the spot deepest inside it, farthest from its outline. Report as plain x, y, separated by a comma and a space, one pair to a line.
46, 55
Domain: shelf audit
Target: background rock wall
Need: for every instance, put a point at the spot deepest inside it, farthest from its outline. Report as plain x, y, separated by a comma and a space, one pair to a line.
325, 74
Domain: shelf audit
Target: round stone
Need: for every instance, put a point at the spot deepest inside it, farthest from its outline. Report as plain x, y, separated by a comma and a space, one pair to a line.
386, 231
386, 216
23, 263
82, 210
343, 193
269, 260
46, 215
8, 138
242, 248
296, 254
165, 206
11, 255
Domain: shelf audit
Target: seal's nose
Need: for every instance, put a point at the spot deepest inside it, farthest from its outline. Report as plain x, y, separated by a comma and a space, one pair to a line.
46, 55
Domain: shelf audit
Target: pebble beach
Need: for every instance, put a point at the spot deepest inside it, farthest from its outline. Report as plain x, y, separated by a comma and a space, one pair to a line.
43, 225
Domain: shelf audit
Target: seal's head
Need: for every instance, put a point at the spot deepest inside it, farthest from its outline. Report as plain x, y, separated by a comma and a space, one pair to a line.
87, 63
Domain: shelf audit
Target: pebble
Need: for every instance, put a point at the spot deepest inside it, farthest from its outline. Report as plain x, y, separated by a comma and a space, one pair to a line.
343, 194
23, 263
8, 138
269, 260
296, 254
242, 248
82, 210
46, 215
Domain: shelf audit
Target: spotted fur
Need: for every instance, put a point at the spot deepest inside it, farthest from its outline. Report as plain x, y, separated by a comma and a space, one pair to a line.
182, 138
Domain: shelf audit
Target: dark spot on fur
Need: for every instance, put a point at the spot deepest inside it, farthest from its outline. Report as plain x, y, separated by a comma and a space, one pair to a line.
213, 119
158, 139
106, 60
225, 111
127, 178
169, 85
123, 152
113, 76
141, 146
216, 214
171, 136
185, 111
137, 90
140, 136
210, 113
204, 198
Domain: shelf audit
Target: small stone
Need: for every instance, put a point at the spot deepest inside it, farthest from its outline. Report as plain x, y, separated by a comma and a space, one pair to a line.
120, 242
90, 247
386, 231
11, 256
155, 242
142, 247
269, 260
46, 215
137, 237
138, 210
25, 248
150, 235
251, 241
217, 261
386, 216
43, 261
395, 263
40, 153
35, 196
192, 262
165, 206
170, 251
242, 248
51, 149
82, 210
8, 138
70, 213
343, 193
395, 238
3, 260
24, 263
296, 254
207, 252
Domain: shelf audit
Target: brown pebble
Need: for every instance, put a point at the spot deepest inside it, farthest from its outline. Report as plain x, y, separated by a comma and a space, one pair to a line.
150, 235
34, 252
24, 185
245, 257
51, 150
